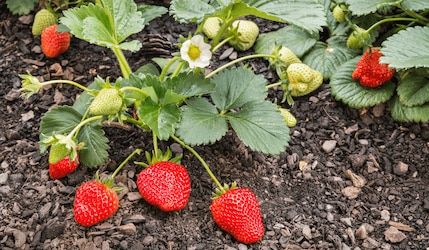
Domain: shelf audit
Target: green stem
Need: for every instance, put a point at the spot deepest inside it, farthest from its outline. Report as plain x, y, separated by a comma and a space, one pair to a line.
221, 43
178, 68
137, 151
190, 149
67, 82
390, 20
222, 30
166, 67
237, 61
134, 89
273, 85
423, 20
123, 63
82, 123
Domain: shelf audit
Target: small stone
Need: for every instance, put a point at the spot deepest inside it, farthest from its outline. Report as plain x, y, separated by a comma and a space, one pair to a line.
129, 229
53, 231
351, 192
330, 217
133, 196
347, 221
4, 189
392, 234
242, 247
385, 215
357, 160
306, 232
370, 243
3, 178
20, 238
400, 168
329, 145
148, 240
378, 110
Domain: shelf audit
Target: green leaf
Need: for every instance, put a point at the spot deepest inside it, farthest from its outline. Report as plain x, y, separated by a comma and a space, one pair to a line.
363, 7
344, 88
151, 12
96, 145
22, 7
147, 69
414, 90
292, 37
107, 25
306, 14
190, 84
261, 127
402, 113
62, 120
237, 86
201, 123
415, 5
186, 11
161, 118
326, 58
407, 49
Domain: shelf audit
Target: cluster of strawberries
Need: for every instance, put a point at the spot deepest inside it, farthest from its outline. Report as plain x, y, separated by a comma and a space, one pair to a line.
53, 43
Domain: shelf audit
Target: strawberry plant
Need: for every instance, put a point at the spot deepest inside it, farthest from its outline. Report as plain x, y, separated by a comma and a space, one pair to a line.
397, 29
182, 102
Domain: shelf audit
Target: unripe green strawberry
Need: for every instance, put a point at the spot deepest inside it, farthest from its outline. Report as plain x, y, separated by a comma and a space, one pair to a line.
212, 26
289, 117
303, 79
283, 57
107, 102
244, 34
338, 14
358, 39
42, 19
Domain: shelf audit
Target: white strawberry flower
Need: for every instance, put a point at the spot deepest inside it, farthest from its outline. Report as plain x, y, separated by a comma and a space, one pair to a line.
196, 52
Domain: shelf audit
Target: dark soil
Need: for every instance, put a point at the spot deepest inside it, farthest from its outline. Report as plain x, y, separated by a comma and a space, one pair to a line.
307, 195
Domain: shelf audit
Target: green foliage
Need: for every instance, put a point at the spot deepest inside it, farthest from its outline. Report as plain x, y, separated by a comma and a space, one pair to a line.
106, 25
414, 54
305, 14
239, 98
62, 120
21, 7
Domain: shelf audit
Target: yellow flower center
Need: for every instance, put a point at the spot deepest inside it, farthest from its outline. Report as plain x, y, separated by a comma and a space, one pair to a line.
194, 52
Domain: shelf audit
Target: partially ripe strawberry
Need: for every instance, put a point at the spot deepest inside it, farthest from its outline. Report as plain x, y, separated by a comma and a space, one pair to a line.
244, 34
370, 72
165, 185
211, 26
237, 212
61, 161
42, 19
108, 101
94, 202
53, 43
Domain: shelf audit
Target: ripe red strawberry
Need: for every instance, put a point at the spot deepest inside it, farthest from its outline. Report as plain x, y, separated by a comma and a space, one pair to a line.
165, 185
237, 212
94, 202
370, 72
61, 161
53, 43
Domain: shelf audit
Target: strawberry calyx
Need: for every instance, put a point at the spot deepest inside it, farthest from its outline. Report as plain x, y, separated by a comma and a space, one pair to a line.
222, 190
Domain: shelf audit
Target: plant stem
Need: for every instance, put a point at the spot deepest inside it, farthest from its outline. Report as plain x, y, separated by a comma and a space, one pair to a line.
190, 149
67, 82
166, 67
134, 89
178, 68
123, 63
390, 20
237, 61
273, 85
221, 43
137, 151
82, 123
